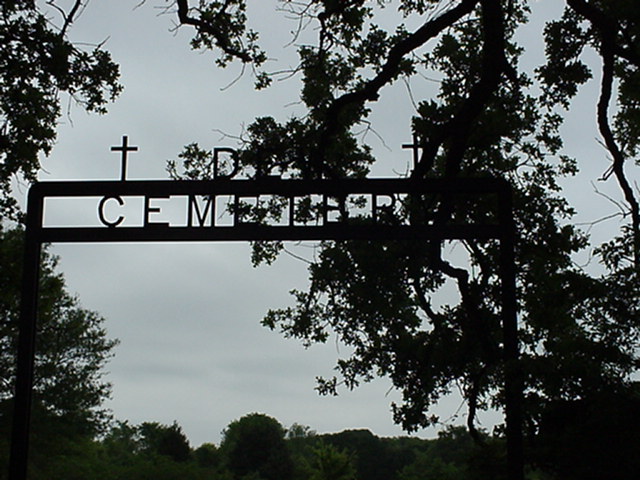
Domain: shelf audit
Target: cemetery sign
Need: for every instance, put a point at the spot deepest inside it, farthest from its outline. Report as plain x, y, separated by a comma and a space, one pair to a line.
221, 210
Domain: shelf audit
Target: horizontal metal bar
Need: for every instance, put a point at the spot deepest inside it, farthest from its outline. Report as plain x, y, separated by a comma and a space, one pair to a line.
250, 232
268, 186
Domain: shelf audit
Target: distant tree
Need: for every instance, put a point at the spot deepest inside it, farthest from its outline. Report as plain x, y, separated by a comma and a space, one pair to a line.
167, 440
121, 443
453, 445
455, 456
403, 451
371, 454
207, 455
39, 66
155, 451
299, 431
150, 439
72, 350
331, 463
427, 467
372, 458
255, 445
300, 440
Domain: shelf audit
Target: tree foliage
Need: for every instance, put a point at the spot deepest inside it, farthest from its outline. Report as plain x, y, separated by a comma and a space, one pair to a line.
568, 447
150, 439
330, 463
69, 386
164, 440
73, 346
40, 68
255, 445
39, 65
129, 452
490, 116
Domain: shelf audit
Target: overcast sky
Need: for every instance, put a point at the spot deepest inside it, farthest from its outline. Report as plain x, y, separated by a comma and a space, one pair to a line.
187, 315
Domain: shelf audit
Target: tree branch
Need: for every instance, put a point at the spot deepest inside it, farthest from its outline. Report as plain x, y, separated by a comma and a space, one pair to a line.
424, 303
494, 63
472, 396
474, 328
602, 22
203, 26
608, 64
389, 70
70, 17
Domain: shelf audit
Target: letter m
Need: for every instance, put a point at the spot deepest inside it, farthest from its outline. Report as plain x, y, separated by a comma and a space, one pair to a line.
201, 215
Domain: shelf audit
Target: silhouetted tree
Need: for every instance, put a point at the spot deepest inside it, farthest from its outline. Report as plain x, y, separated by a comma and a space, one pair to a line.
167, 440
331, 463
371, 454
39, 66
207, 455
255, 444
488, 114
73, 346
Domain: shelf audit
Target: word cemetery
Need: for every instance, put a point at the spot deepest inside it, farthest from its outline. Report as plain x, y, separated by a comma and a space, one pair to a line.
223, 210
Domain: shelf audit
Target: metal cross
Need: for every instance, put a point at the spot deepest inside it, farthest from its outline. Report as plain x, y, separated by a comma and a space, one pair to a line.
415, 146
125, 149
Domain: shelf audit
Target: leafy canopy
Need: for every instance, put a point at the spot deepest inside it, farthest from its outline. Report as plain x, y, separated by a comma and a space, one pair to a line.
254, 445
489, 116
39, 66
73, 346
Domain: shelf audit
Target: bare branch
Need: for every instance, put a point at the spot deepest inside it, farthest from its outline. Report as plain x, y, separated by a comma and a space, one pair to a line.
71, 16
68, 18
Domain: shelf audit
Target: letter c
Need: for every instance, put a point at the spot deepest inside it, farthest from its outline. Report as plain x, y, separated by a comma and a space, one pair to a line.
103, 219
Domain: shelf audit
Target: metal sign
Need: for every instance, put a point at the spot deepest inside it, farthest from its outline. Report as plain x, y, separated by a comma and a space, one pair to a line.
138, 211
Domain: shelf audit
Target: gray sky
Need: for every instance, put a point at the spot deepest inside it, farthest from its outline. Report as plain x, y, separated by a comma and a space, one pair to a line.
187, 315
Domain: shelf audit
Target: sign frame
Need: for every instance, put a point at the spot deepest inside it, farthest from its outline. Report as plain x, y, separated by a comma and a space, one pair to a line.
37, 233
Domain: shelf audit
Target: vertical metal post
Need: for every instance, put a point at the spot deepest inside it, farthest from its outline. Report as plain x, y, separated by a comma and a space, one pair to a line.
26, 341
513, 388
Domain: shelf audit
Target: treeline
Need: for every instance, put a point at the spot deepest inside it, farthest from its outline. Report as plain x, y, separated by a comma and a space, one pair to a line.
255, 447
578, 443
